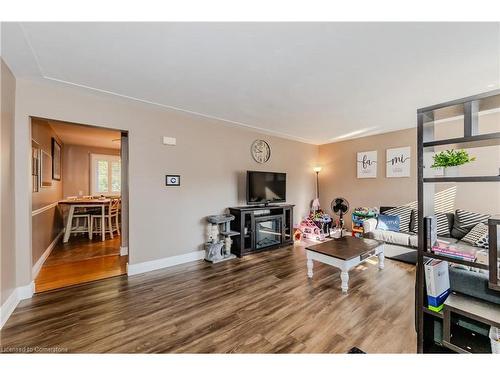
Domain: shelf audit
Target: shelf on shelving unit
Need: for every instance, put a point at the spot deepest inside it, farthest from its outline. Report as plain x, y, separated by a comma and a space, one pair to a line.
486, 101
483, 311
469, 110
433, 313
462, 179
481, 140
456, 260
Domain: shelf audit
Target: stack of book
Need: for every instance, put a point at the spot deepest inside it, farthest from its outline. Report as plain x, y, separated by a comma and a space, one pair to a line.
450, 251
437, 282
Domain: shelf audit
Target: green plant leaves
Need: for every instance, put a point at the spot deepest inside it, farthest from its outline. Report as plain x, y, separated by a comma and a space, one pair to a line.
451, 158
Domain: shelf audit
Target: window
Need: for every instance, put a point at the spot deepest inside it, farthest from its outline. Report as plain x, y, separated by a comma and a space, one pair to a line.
105, 174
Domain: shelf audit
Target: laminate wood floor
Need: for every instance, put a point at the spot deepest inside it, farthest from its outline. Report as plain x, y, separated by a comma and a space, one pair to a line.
263, 303
81, 260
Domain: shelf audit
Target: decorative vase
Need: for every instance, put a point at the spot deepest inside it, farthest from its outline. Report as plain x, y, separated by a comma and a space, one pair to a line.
451, 171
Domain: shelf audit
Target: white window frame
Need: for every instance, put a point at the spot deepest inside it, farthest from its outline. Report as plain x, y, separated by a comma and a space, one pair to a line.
94, 158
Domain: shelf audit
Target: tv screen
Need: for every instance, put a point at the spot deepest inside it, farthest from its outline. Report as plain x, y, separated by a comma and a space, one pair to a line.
264, 187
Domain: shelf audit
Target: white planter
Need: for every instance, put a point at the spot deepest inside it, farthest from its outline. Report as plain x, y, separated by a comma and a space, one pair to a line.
451, 171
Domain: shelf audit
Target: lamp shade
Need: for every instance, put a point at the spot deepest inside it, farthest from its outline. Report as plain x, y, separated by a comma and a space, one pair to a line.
317, 169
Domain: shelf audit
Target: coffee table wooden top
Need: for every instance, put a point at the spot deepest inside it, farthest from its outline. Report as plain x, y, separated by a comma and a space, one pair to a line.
346, 248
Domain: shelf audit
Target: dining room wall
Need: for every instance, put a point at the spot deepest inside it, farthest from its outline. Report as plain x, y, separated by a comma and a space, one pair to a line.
76, 167
211, 156
46, 219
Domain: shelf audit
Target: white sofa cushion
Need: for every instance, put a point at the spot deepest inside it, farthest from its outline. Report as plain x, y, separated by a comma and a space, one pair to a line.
397, 238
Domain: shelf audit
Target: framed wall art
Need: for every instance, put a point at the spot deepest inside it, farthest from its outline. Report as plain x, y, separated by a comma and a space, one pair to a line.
398, 162
366, 164
56, 160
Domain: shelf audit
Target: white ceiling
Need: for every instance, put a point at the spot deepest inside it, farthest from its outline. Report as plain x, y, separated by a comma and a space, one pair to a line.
316, 82
73, 134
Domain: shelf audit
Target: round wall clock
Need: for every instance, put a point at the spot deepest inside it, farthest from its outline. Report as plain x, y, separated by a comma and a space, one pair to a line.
261, 152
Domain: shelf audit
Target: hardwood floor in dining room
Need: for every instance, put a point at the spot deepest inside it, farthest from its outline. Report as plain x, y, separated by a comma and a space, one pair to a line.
81, 260
263, 303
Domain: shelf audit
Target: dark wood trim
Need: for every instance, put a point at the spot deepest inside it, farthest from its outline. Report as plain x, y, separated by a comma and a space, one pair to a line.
480, 140
471, 127
493, 253
459, 101
346, 248
419, 280
426, 117
433, 313
462, 179
458, 261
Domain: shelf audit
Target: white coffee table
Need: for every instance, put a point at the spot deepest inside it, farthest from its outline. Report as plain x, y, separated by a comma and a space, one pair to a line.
344, 253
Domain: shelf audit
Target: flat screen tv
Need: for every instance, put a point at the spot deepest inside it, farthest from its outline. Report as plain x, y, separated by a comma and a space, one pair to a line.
266, 187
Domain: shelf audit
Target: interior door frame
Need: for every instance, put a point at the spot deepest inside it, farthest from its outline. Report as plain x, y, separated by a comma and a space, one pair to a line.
124, 154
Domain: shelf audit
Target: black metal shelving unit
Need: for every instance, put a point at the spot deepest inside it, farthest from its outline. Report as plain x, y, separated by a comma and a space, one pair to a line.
468, 109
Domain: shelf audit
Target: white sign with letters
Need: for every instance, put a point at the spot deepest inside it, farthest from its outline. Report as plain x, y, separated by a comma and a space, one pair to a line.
398, 162
367, 164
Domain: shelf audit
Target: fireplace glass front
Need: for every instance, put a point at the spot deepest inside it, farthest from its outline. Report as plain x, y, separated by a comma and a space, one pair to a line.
268, 232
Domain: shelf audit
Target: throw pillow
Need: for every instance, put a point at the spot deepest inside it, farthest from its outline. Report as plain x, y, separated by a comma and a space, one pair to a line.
465, 221
477, 233
404, 213
442, 221
483, 241
388, 222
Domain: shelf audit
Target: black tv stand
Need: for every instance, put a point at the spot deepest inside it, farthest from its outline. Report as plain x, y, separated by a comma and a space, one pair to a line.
261, 228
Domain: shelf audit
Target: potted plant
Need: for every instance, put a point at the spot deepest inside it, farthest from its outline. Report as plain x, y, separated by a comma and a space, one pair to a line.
449, 160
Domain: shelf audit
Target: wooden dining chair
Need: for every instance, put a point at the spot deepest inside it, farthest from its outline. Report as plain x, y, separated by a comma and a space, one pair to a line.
81, 219
111, 223
81, 224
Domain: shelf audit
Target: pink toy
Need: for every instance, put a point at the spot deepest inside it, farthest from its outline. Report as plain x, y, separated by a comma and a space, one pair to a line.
310, 230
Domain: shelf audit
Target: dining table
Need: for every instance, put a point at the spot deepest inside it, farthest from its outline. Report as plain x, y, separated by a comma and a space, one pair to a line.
84, 203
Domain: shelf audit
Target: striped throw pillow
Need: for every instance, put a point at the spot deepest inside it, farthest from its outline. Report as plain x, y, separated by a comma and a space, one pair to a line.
479, 231
404, 213
465, 221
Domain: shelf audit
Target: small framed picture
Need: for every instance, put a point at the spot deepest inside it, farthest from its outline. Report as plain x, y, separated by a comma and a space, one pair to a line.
56, 160
173, 180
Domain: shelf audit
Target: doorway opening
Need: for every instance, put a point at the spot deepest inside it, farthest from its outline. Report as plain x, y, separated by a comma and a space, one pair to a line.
79, 203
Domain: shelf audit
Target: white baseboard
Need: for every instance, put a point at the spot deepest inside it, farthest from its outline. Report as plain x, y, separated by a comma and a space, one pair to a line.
135, 269
38, 265
8, 307
123, 250
18, 294
26, 291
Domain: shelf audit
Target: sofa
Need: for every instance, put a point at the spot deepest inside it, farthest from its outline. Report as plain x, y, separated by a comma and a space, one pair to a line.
405, 241
401, 245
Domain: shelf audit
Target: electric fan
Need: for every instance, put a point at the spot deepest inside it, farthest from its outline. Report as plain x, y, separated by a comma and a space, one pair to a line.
340, 206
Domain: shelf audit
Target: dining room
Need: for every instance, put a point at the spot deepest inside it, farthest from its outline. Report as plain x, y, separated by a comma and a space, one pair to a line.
79, 214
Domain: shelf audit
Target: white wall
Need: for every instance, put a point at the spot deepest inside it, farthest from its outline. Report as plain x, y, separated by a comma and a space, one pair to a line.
7, 248
210, 156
